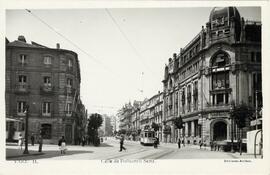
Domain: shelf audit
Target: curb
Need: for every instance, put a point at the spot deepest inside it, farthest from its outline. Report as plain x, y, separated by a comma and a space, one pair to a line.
25, 155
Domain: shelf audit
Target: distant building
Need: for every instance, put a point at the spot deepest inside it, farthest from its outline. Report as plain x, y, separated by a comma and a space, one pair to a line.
106, 129
218, 69
48, 81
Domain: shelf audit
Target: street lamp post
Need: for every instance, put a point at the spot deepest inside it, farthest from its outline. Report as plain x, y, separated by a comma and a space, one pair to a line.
26, 130
231, 110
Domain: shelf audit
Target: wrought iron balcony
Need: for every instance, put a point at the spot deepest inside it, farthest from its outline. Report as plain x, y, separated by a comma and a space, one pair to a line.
70, 90
22, 89
70, 70
47, 90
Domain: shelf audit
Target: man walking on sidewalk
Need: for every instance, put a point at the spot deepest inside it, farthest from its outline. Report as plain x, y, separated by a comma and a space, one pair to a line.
122, 143
179, 143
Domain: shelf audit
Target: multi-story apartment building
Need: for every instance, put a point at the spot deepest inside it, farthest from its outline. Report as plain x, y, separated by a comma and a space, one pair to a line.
218, 69
124, 116
48, 81
144, 114
158, 113
135, 116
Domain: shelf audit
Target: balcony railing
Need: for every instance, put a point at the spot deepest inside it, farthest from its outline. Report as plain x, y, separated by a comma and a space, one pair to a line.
70, 90
218, 107
22, 88
70, 69
47, 89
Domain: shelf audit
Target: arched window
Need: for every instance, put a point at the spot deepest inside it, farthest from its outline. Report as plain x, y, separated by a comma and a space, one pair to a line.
221, 59
170, 83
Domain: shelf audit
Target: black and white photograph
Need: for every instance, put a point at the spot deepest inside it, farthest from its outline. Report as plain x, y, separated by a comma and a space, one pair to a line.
134, 85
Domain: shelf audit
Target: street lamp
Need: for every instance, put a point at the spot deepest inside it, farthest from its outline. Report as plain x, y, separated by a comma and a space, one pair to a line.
231, 110
26, 130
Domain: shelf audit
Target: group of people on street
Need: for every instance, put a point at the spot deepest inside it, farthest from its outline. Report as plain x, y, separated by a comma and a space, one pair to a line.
21, 140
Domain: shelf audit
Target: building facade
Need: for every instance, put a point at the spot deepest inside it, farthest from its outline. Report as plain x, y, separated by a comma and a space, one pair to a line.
48, 81
218, 69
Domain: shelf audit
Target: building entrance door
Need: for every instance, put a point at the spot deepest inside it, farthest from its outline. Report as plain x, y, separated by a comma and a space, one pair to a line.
68, 134
219, 131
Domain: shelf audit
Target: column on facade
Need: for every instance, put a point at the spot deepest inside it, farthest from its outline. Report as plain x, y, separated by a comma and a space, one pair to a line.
186, 102
186, 129
192, 100
172, 133
192, 129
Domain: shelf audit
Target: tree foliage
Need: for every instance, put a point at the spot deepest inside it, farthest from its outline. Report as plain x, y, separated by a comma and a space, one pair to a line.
155, 126
178, 122
122, 131
241, 114
94, 122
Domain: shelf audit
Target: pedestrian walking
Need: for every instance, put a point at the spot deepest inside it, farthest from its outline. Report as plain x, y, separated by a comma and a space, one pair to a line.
20, 141
40, 143
122, 144
179, 143
183, 141
83, 140
156, 142
62, 145
200, 143
32, 139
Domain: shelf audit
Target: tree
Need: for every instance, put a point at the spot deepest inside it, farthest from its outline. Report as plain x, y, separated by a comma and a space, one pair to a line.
122, 131
241, 114
178, 122
94, 122
155, 126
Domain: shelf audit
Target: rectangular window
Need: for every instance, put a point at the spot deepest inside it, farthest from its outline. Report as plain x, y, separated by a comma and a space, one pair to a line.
226, 98
69, 110
252, 57
220, 98
21, 106
46, 108
47, 60
70, 63
22, 79
214, 99
258, 57
220, 80
22, 59
47, 81
69, 82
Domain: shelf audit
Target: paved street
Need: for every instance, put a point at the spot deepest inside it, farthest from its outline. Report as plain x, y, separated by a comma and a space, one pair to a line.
109, 149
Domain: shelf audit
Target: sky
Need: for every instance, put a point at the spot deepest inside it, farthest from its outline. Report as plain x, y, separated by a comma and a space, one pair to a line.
122, 52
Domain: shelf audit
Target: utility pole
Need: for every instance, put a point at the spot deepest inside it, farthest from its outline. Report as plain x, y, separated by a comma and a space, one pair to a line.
256, 109
26, 130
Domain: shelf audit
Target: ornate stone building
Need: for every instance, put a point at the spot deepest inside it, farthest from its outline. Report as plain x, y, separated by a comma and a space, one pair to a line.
218, 69
48, 81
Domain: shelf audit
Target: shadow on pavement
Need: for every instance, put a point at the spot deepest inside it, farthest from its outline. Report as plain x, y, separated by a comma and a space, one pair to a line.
47, 154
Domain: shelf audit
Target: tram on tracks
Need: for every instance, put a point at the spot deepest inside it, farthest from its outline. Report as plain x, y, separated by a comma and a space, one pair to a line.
14, 128
147, 137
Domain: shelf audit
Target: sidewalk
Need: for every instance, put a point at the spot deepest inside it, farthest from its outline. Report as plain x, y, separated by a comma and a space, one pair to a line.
13, 152
235, 155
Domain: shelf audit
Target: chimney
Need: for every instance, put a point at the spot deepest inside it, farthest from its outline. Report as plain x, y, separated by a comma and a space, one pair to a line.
21, 38
57, 46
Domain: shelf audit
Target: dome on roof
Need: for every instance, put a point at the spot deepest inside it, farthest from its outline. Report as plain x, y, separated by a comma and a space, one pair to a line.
220, 12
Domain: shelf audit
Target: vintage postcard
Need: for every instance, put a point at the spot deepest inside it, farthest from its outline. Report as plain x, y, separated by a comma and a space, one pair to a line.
117, 88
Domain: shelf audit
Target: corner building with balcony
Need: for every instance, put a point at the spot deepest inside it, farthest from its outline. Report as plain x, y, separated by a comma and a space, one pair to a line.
218, 69
48, 81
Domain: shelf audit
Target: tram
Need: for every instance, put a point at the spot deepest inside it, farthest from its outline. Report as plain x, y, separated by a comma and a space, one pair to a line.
14, 128
147, 137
